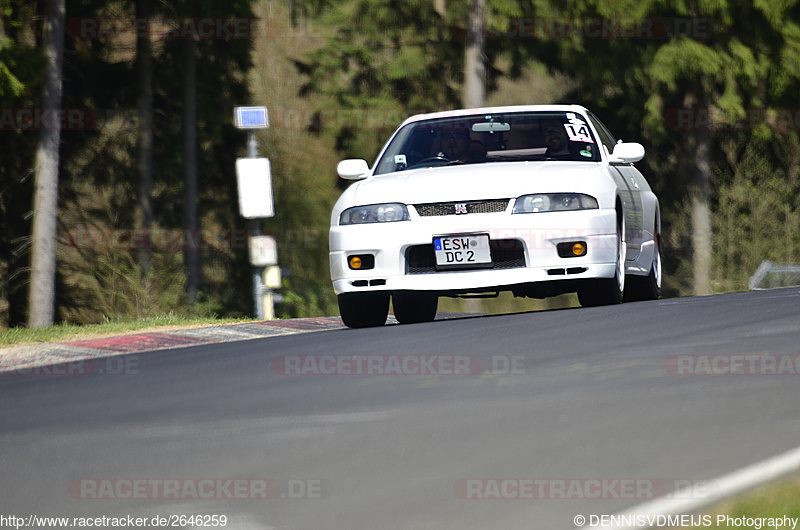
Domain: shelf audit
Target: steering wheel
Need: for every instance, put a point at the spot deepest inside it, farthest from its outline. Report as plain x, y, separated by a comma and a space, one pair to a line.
432, 159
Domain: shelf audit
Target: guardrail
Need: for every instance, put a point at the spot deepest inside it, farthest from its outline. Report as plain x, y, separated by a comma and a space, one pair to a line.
770, 275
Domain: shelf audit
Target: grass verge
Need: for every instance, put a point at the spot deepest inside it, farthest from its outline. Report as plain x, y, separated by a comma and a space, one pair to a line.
749, 511
63, 331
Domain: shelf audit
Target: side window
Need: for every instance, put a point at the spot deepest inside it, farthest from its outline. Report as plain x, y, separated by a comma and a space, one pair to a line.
606, 137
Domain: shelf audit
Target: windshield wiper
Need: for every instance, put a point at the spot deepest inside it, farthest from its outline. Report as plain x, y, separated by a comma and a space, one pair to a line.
435, 161
520, 158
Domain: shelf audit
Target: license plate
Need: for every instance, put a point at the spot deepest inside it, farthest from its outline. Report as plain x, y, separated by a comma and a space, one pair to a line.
462, 251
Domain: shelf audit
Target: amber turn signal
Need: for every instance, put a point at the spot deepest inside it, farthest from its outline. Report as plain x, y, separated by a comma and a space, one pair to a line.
571, 249
361, 262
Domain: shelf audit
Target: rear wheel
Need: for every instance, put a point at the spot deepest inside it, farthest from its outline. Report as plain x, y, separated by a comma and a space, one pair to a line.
364, 310
414, 307
608, 291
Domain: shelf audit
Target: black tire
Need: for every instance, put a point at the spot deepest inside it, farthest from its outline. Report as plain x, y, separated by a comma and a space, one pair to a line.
641, 288
364, 310
410, 308
601, 292
607, 291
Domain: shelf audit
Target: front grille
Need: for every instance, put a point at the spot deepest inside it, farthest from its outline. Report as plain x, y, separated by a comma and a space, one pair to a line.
450, 208
506, 254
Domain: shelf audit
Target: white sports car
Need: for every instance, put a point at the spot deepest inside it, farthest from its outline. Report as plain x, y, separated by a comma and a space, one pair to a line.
537, 200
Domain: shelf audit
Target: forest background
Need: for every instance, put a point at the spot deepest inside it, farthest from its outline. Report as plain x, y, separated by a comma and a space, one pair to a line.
147, 144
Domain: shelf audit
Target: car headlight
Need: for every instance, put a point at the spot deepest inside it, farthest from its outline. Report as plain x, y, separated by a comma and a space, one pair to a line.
554, 202
374, 213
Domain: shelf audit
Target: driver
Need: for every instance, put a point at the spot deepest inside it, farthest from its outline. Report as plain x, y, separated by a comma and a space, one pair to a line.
555, 138
455, 142
457, 145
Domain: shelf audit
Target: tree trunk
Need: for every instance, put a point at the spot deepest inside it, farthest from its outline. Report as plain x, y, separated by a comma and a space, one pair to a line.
440, 6
45, 198
475, 84
701, 215
474, 60
145, 155
191, 251
699, 152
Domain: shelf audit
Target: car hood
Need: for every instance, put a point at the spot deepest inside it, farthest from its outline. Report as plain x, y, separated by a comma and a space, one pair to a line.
500, 180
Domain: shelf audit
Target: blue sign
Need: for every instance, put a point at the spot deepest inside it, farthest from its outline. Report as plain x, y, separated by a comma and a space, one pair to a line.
251, 117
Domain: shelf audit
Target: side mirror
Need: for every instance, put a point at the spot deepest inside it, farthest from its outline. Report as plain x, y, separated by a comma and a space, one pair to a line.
352, 169
627, 153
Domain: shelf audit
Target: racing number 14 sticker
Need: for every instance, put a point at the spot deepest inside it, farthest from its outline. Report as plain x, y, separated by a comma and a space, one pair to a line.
577, 132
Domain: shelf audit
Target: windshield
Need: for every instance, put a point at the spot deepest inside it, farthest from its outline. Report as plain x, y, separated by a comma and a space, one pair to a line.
518, 136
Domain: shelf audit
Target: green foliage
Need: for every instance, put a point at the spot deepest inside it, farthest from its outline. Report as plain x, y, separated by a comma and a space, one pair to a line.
302, 151
117, 291
383, 55
306, 301
64, 331
777, 500
684, 58
98, 183
326, 69
773, 500
757, 214
18, 66
737, 57
402, 56
21, 71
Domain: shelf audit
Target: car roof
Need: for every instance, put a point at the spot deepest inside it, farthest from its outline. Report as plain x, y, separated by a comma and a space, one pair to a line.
495, 110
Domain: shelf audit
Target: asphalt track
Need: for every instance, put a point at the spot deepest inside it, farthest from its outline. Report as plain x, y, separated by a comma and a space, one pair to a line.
615, 404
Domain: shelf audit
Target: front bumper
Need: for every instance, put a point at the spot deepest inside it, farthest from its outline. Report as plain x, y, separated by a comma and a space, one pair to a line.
537, 234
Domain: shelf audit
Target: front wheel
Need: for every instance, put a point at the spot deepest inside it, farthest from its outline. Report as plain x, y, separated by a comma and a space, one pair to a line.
410, 308
364, 310
608, 291
646, 287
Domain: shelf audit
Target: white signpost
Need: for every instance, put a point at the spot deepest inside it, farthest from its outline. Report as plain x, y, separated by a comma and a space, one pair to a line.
254, 181
263, 251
